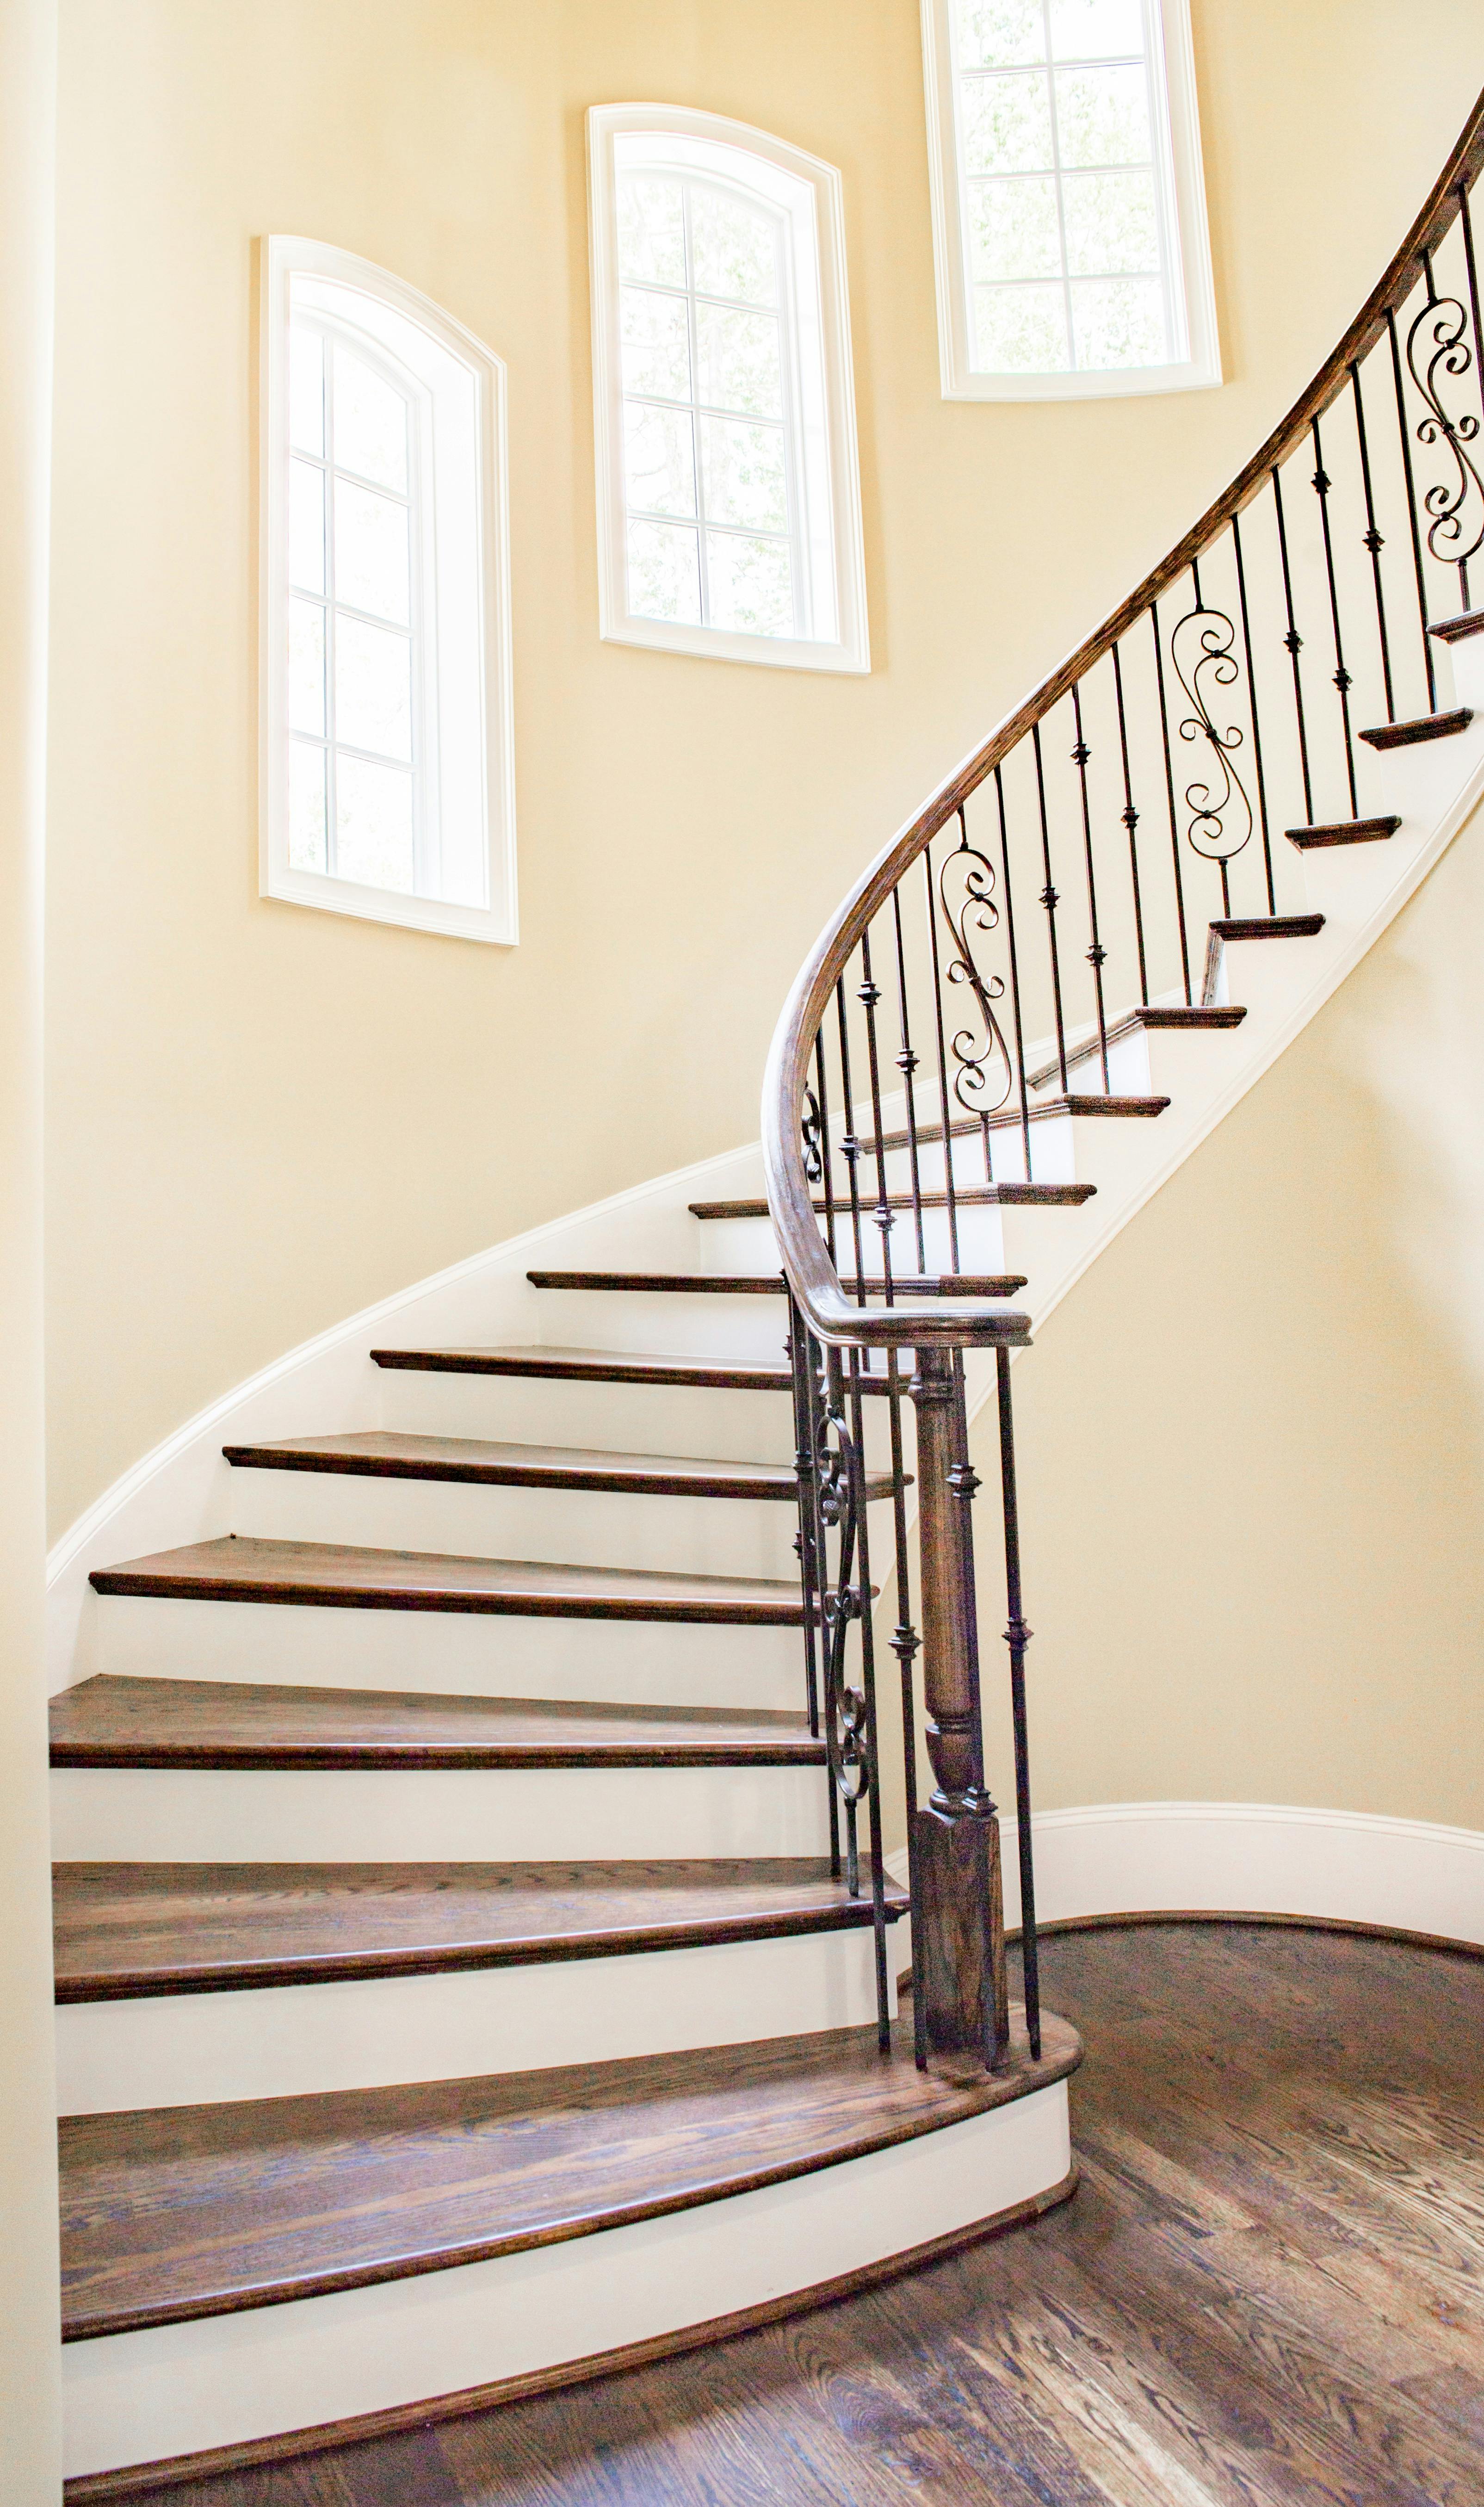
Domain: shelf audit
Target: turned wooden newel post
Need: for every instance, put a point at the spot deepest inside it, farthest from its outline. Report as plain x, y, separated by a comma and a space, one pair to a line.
959, 1944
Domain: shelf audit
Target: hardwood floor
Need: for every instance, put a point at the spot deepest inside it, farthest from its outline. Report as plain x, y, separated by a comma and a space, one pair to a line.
1267, 2292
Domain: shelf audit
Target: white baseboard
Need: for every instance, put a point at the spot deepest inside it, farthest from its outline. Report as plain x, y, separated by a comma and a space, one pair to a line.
1250, 1858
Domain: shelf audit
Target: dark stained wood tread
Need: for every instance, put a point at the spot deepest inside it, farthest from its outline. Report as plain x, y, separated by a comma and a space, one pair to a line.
1343, 831
1427, 726
171, 2214
1254, 926
336, 1576
558, 1365
772, 1284
113, 1720
380, 1453
122, 1930
1147, 1014
966, 1196
929, 1132
1454, 630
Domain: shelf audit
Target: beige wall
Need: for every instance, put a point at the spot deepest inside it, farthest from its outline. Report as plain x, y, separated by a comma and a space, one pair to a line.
1252, 1437
261, 1116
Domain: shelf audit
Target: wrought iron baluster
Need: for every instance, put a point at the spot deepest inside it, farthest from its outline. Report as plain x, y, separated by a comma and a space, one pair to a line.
1446, 358
1096, 953
850, 1144
1174, 830
1371, 538
1466, 218
804, 1469
819, 1158
1017, 1638
966, 901
1015, 1009
1342, 680
1220, 815
1251, 699
907, 1065
945, 1124
1050, 900
1130, 817
823, 1500
1295, 644
1405, 431
867, 1692
883, 1215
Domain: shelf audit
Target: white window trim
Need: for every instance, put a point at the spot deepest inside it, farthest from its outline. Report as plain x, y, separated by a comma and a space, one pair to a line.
1173, 65
617, 623
282, 257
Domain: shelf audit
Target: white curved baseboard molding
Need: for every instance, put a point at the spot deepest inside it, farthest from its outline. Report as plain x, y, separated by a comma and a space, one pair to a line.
1250, 1858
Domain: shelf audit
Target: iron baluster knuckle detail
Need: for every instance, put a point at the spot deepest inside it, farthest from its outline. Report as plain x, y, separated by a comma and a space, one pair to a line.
1220, 814
811, 1133
1456, 505
986, 1071
964, 1481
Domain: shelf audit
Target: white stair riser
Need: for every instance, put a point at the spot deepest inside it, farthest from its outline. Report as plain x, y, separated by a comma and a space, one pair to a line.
693, 1324
463, 1652
597, 1528
744, 1426
135, 2397
191, 2050
404, 1815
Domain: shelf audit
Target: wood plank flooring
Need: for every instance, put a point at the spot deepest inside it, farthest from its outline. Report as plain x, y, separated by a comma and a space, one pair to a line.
1267, 2292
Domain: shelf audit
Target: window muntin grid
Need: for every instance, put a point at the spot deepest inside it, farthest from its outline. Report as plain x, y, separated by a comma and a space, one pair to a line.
710, 469
359, 802
1065, 195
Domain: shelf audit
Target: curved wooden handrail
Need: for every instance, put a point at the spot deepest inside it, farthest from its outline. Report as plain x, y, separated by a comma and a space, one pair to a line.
812, 1275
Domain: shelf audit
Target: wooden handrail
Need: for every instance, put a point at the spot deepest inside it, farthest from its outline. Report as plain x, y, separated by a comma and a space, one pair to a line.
811, 1274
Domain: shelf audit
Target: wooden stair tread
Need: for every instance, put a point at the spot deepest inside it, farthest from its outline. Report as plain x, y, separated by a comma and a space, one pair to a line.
1156, 1016
129, 1928
174, 2213
336, 1574
1427, 726
772, 1284
973, 1126
1454, 630
127, 1720
1343, 831
966, 1196
556, 1364
380, 1453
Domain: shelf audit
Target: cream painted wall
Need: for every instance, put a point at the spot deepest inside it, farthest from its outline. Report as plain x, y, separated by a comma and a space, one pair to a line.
263, 1117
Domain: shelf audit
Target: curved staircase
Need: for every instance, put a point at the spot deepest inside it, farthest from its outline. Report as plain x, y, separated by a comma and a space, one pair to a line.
445, 2007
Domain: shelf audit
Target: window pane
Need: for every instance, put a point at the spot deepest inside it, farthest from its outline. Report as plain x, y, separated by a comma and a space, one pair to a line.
1006, 125
1091, 30
1013, 229
663, 572
651, 229
373, 688
656, 343
369, 423
373, 569
1103, 117
750, 584
998, 34
306, 666
739, 357
1120, 322
372, 824
307, 527
1110, 223
734, 249
307, 390
307, 807
1020, 331
744, 471
659, 460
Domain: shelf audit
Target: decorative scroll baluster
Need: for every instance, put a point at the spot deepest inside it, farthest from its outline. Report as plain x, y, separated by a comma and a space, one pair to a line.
967, 900
1201, 652
1174, 830
1342, 678
1456, 505
1050, 900
1251, 699
945, 1123
1372, 539
1294, 642
1465, 217
1096, 953
1020, 1038
1405, 433
1130, 817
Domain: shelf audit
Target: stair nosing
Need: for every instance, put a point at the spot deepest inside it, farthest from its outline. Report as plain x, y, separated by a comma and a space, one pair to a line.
585, 1468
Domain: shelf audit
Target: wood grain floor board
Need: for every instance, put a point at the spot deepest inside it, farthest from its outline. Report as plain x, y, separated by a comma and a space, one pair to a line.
1267, 2292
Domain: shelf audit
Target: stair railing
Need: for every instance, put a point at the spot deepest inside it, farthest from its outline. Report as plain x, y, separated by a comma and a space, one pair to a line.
1139, 792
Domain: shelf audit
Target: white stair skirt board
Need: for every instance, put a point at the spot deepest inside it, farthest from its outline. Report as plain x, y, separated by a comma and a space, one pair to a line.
474, 1653
136, 2397
276, 2042
456, 1815
1247, 1858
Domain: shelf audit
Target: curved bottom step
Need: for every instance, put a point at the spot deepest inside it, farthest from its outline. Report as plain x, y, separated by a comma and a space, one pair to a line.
748, 2185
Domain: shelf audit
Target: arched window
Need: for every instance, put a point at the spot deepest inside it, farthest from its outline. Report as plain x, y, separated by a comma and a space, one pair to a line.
386, 748
729, 506
1069, 205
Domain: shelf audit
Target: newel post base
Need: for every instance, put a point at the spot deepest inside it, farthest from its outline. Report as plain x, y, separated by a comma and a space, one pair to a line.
958, 1933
